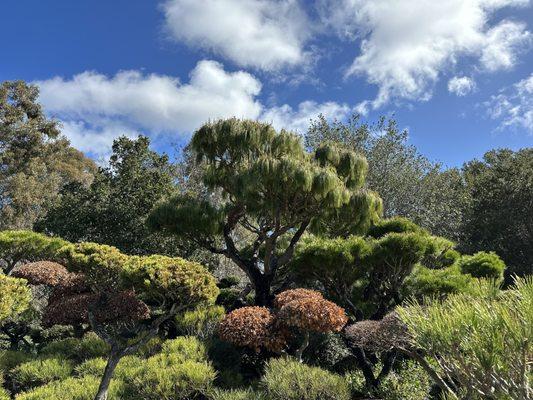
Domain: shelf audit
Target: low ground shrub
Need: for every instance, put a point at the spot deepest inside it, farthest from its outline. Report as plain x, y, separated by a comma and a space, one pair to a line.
201, 322
288, 379
186, 348
10, 359
69, 389
158, 379
247, 394
90, 346
483, 265
39, 372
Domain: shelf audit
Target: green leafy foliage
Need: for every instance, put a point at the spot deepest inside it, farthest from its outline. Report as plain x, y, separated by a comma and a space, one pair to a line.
173, 279
14, 297
271, 187
39, 372
482, 341
286, 379
162, 377
426, 282
10, 359
36, 162
407, 381
88, 347
483, 265
26, 246
112, 209
68, 389
236, 394
201, 322
498, 213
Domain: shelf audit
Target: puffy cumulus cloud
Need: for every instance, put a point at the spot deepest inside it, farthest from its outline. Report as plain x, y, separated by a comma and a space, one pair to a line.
514, 106
95, 109
264, 34
461, 86
156, 102
298, 119
406, 44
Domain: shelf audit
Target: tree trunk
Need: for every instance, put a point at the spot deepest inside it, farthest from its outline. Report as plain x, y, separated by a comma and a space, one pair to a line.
112, 362
301, 349
262, 286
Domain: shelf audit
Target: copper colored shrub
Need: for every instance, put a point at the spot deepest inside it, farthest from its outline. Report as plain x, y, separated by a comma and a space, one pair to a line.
122, 307
42, 273
252, 327
295, 294
313, 314
69, 310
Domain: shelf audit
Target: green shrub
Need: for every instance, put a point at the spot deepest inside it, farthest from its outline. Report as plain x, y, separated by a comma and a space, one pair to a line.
436, 282
394, 224
246, 394
287, 379
9, 359
151, 348
39, 372
483, 265
410, 382
228, 281
166, 377
92, 367
95, 367
90, 346
186, 348
228, 297
4, 394
69, 389
201, 322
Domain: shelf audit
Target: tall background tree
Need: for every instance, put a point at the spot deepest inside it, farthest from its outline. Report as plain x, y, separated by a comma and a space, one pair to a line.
113, 209
409, 183
36, 162
499, 210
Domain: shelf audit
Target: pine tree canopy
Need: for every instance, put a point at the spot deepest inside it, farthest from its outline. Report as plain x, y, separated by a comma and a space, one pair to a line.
272, 187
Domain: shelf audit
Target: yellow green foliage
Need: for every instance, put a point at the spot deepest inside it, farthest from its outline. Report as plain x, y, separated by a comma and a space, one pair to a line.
15, 296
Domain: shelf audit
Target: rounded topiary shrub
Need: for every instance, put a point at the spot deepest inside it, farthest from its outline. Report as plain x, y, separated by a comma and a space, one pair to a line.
236, 394
483, 265
161, 378
90, 346
186, 348
69, 389
39, 372
287, 379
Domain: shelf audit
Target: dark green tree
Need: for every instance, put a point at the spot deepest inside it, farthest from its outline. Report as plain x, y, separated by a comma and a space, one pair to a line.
499, 213
409, 183
35, 160
113, 209
272, 189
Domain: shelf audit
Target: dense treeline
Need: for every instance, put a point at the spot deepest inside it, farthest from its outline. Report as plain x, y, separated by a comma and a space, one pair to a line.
348, 266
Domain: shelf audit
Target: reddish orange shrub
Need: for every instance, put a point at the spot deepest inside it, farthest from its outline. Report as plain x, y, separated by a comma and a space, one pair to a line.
42, 273
253, 327
313, 314
295, 294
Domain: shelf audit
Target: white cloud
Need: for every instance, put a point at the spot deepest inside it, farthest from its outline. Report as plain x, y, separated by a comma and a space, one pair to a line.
156, 102
461, 86
406, 44
265, 34
514, 106
95, 109
298, 120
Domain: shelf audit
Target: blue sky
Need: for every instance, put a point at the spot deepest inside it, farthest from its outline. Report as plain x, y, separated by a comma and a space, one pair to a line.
457, 73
